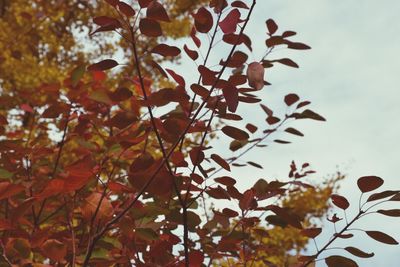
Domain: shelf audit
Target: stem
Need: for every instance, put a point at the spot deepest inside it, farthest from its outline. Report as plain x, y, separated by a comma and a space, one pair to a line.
334, 238
185, 237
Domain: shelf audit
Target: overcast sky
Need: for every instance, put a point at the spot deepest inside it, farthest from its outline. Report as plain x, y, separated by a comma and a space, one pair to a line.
352, 77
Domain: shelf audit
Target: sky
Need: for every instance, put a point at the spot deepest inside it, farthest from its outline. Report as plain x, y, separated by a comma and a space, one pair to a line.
351, 76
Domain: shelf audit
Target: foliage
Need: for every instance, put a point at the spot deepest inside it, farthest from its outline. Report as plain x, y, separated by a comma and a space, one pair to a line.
107, 164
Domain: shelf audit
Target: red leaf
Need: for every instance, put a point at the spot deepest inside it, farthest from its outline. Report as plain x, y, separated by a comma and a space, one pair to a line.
196, 40
144, 3
267, 110
91, 206
203, 20
229, 213
237, 39
336, 261
104, 21
119, 188
334, 218
54, 187
308, 114
359, 253
245, 202
3, 120
369, 183
271, 25
8, 189
288, 34
229, 23
199, 90
311, 232
290, 99
239, 4
196, 258
196, 155
225, 180
191, 53
150, 27
112, 2
156, 11
126, 9
255, 75
207, 75
103, 65
235, 133
345, 236
221, 162
294, 131
218, 193
120, 94
381, 195
5, 225
251, 127
231, 95
274, 41
218, 5
302, 104
26, 108
54, 249
166, 50
340, 201
254, 164
297, 46
197, 178
178, 78
392, 212
159, 68
382, 237
287, 62
236, 60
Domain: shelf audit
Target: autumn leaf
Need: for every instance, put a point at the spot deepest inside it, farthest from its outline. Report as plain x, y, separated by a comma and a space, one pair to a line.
255, 75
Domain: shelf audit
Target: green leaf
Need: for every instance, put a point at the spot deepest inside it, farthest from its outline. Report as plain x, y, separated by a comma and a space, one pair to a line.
100, 96
4, 174
77, 74
146, 234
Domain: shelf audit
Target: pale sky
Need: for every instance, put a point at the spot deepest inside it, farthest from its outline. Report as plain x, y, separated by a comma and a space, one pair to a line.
352, 77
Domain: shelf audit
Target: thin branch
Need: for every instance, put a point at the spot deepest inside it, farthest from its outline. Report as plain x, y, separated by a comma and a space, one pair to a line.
333, 239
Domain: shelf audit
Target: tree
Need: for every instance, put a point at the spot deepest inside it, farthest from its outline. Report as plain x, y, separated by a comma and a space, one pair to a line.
107, 164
